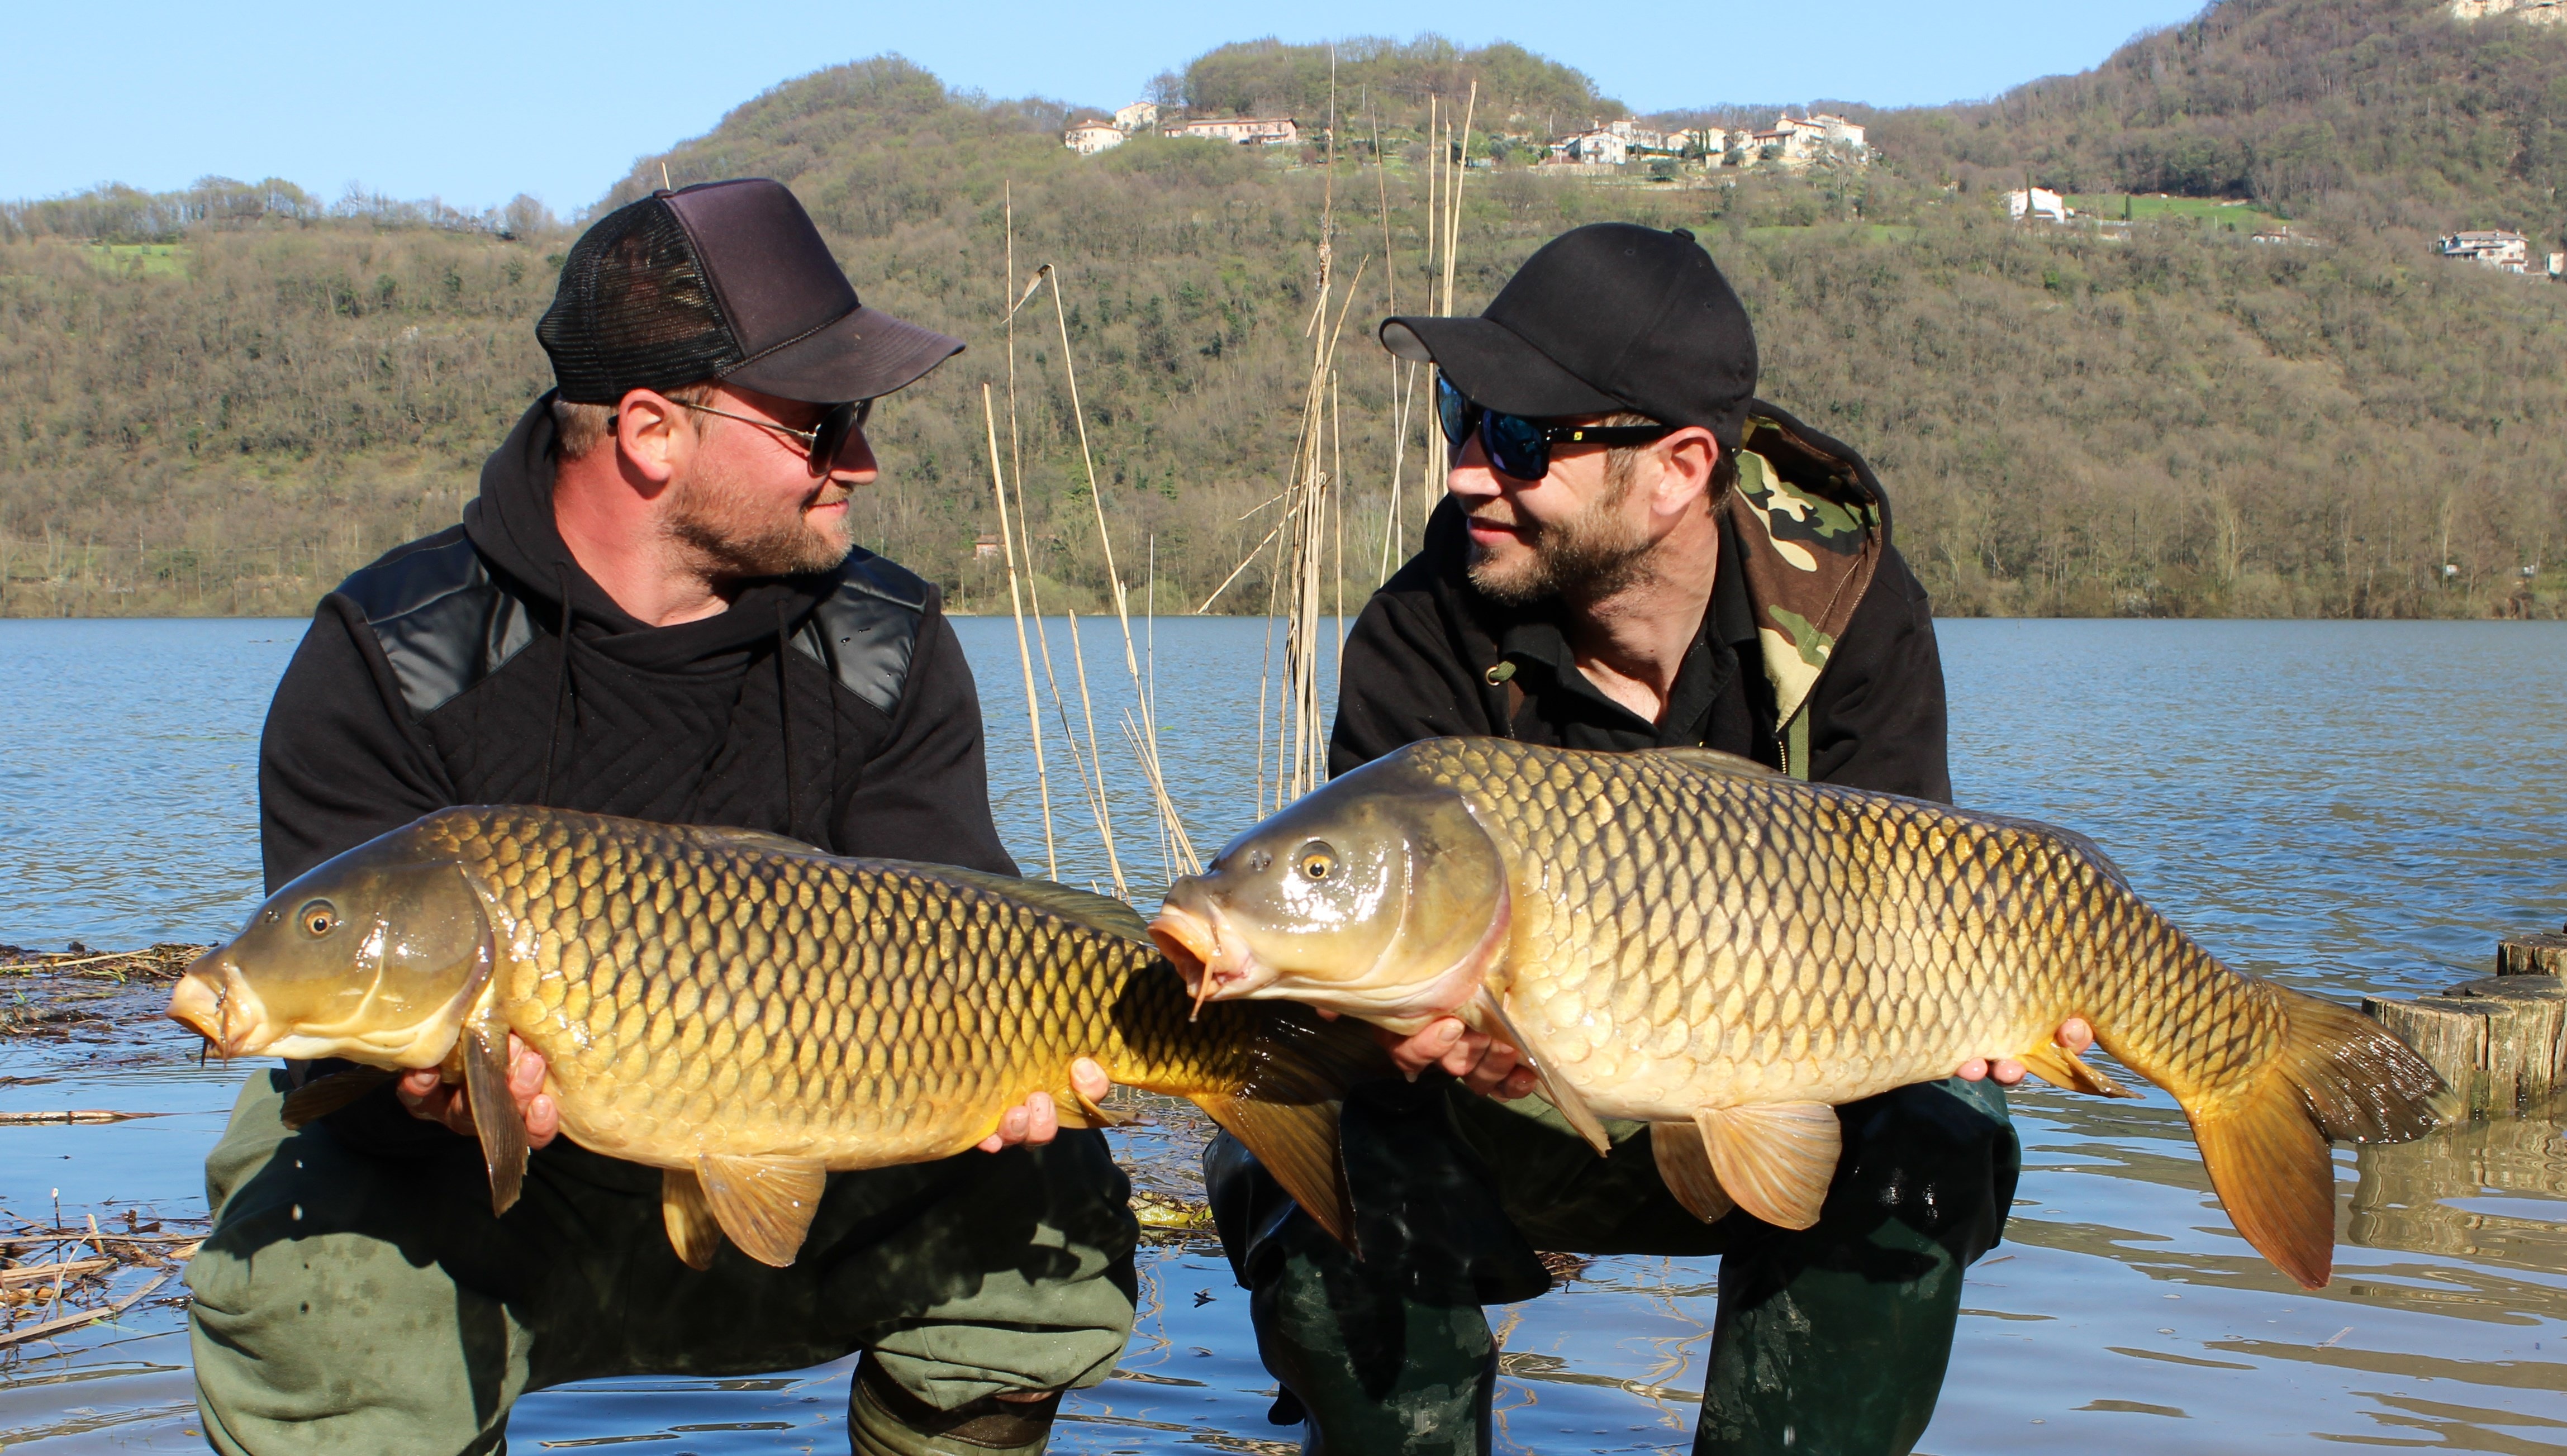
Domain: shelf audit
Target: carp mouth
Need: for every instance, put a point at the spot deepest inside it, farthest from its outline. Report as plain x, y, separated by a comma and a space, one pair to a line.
1216, 964
212, 1001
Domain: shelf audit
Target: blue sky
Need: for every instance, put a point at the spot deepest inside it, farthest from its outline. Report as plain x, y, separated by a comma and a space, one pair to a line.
475, 102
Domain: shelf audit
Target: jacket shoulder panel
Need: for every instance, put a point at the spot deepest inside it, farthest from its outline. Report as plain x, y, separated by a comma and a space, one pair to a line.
442, 622
866, 631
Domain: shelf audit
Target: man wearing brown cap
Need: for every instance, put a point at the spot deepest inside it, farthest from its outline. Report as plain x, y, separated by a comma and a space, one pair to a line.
1634, 553
654, 610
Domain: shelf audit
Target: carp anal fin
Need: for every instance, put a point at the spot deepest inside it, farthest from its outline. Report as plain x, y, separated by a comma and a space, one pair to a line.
765, 1205
1080, 1111
1555, 1090
321, 1096
688, 1216
2061, 1067
1776, 1158
1684, 1165
494, 1111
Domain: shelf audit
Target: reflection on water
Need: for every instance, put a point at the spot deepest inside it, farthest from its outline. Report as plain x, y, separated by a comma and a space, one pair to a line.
2344, 805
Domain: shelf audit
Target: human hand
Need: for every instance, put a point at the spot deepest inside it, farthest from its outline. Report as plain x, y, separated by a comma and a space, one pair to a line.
1489, 1067
2074, 1034
1038, 1121
431, 1099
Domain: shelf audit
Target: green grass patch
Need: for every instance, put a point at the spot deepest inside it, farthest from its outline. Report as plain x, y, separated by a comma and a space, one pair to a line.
1850, 232
2230, 216
149, 260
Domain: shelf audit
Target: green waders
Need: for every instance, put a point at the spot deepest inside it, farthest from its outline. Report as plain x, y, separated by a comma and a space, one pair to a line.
358, 1301
1832, 1339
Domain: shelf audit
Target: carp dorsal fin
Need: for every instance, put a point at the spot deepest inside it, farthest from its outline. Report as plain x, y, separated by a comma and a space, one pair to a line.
1684, 1165
1775, 1158
724, 836
1554, 1089
494, 1110
1097, 912
689, 1217
1713, 761
321, 1096
2061, 1067
765, 1205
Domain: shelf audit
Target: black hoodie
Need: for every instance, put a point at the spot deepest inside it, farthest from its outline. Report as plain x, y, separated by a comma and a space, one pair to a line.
835, 707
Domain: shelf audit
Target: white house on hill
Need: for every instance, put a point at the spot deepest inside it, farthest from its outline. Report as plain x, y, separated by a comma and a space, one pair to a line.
1246, 131
1091, 137
2509, 252
2038, 202
1137, 116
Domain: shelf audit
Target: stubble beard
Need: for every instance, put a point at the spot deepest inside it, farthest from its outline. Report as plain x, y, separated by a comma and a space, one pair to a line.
1586, 557
738, 532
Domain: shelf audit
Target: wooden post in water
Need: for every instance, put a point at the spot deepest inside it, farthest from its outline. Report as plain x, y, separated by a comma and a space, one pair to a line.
2500, 1040
2540, 954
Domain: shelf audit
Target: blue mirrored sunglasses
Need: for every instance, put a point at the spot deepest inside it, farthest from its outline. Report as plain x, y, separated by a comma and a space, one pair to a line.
1520, 448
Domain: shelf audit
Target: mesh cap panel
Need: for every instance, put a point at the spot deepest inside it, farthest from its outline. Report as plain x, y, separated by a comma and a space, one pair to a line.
634, 311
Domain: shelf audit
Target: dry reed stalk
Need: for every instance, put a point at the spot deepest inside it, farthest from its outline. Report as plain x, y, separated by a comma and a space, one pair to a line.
1096, 757
1024, 655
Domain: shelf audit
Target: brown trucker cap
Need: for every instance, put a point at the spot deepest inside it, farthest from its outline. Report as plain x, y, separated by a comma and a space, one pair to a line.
724, 281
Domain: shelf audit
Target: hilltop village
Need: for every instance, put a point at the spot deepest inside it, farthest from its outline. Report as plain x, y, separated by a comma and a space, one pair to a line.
1601, 149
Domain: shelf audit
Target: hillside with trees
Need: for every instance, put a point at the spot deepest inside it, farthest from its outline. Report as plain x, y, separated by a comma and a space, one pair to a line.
217, 410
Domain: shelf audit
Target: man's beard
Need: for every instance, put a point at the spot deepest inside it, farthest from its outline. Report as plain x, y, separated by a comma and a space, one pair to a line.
742, 534
1587, 556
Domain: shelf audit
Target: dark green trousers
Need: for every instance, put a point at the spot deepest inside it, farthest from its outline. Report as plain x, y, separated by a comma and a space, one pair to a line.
357, 1302
1832, 1339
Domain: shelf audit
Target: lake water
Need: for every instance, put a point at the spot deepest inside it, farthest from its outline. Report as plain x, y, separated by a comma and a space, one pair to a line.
2349, 807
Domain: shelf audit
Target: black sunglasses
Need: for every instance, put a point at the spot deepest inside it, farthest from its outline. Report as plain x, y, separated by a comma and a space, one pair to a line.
1518, 447
825, 439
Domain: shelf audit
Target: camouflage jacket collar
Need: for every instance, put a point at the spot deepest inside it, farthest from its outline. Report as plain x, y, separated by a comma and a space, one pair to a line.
1810, 524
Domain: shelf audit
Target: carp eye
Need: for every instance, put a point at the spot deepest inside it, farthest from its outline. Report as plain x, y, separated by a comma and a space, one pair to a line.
1317, 861
318, 918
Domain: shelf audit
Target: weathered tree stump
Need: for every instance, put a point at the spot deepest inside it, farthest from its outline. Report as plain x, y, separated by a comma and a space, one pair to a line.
2531, 955
2500, 1040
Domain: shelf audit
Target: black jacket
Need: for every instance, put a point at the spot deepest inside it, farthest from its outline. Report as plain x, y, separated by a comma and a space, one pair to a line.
1418, 664
834, 708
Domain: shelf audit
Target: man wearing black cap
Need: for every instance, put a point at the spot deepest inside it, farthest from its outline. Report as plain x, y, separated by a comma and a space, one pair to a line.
1634, 553
652, 610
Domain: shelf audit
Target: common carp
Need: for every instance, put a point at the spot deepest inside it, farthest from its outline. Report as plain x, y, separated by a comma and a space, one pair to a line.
744, 1011
1688, 939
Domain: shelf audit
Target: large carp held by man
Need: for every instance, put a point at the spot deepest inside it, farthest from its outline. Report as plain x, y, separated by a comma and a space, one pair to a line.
744, 1011
1688, 939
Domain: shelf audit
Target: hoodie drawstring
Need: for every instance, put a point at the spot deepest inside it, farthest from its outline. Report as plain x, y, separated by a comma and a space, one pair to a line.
561, 682
784, 712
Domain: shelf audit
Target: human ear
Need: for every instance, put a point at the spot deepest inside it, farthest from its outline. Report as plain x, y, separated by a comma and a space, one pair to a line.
1687, 460
652, 436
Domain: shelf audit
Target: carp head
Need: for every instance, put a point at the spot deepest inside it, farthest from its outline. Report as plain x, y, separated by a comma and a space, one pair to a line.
375, 956
1378, 894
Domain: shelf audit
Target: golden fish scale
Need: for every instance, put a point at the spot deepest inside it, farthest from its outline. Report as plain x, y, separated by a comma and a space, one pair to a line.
709, 998
1686, 939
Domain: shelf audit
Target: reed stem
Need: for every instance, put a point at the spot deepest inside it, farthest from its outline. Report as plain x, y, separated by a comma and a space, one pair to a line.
1024, 655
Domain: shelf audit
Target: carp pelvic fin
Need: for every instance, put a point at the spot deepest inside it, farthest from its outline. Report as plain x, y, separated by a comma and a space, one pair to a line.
1776, 1159
2338, 1075
1076, 1110
2061, 1067
692, 1230
765, 1205
1684, 1165
494, 1111
321, 1096
1555, 1090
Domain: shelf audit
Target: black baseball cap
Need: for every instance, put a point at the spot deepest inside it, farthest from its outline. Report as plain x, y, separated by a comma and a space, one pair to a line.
726, 281
1608, 317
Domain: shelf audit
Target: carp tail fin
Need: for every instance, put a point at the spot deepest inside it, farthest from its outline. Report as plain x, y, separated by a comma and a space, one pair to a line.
2338, 1075
1286, 1108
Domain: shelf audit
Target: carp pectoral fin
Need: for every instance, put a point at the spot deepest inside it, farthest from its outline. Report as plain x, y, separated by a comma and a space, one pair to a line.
322, 1097
1297, 1143
1684, 1165
1555, 1090
692, 1230
765, 1205
2061, 1067
485, 1047
1776, 1159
